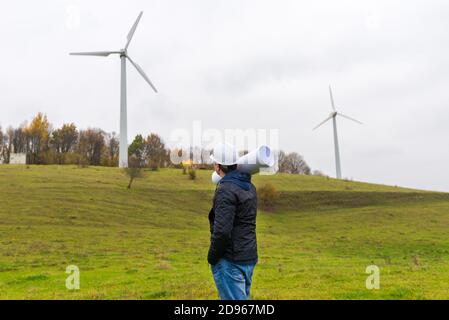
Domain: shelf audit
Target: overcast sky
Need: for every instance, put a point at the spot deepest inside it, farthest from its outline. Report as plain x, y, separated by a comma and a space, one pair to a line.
246, 64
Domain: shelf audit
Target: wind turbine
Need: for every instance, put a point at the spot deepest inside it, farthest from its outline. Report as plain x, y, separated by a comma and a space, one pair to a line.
123, 53
333, 116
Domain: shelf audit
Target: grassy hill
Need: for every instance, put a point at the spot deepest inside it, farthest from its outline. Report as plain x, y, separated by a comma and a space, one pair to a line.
151, 242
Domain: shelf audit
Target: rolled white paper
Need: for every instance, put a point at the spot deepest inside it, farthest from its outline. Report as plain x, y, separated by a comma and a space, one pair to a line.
252, 162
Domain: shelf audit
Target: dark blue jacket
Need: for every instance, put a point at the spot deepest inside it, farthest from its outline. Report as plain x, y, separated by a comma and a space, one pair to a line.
233, 220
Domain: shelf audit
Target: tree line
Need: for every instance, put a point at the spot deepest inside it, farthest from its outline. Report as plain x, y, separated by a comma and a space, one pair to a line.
44, 144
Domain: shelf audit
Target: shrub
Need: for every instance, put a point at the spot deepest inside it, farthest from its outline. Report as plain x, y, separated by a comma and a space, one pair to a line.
267, 196
192, 173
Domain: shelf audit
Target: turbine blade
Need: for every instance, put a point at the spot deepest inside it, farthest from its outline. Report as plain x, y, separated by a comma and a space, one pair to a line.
332, 98
345, 116
133, 29
323, 122
142, 73
97, 53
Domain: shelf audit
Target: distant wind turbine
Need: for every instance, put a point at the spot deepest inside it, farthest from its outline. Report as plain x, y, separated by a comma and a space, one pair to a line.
333, 116
123, 157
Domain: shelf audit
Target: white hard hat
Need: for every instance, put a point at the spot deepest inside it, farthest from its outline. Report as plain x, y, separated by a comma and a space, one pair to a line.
224, 154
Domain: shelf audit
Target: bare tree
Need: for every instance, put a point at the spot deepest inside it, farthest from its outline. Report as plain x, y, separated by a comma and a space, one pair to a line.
281, 162
293, 163
112, 149
155, 151
17, 139
2, 146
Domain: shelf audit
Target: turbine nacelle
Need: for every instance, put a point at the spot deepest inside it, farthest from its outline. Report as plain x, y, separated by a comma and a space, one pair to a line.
334, 113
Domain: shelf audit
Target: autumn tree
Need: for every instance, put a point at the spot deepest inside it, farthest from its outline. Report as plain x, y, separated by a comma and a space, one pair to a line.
91, 146
112, 150
63, 141
37, 134
155, 152
150, 151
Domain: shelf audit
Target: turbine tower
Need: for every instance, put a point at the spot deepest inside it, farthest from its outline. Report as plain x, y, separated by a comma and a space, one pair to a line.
123, 53
333, 116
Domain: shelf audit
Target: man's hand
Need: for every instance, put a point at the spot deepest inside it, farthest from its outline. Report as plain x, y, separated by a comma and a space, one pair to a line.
211, 258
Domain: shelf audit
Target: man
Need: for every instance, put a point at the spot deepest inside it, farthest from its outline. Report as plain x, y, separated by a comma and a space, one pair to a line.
233, 248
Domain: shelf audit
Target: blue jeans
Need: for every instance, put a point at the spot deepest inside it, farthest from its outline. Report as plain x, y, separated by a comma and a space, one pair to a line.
233, 280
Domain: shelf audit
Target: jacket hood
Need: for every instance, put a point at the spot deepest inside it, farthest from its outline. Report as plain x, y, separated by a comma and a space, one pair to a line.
241, 179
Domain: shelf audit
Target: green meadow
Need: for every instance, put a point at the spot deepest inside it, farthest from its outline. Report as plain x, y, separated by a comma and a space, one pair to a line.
151, 241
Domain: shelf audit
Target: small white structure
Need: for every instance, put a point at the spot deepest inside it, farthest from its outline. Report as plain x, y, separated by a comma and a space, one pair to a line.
18, 158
